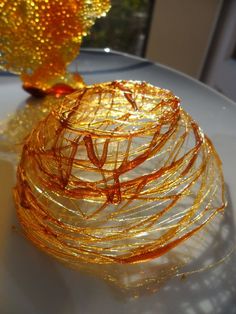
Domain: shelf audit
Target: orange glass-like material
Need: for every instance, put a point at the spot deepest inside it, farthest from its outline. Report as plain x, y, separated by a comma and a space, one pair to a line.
40, 37
118, 173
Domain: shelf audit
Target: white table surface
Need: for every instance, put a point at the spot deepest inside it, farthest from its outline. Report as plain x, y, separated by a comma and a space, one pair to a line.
33, 283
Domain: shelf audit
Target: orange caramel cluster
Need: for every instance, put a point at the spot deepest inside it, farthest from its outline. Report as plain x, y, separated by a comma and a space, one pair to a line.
118, 173
39, 38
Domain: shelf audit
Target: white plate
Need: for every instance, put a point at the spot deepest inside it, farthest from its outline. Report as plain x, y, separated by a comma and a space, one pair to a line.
32, 283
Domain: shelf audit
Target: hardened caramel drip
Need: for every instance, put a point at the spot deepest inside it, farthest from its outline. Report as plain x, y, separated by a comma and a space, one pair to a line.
39, 38
119, 173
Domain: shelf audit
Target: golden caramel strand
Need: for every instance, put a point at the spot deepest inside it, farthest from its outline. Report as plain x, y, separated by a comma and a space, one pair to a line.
118, 173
